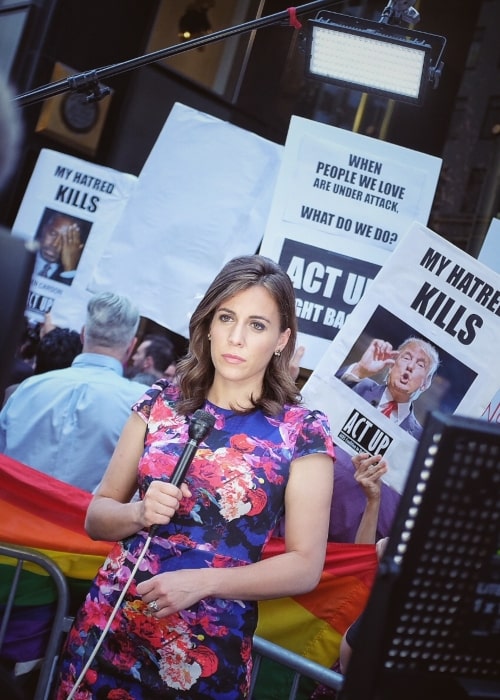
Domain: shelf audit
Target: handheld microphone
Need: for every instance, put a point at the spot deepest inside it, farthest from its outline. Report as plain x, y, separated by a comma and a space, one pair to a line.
199, 426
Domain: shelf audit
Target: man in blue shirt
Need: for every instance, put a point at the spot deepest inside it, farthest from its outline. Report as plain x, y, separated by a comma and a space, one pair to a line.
66, 422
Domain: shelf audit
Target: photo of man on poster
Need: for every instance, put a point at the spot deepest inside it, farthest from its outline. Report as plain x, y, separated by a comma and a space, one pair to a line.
402, 373
410, 368
61, 238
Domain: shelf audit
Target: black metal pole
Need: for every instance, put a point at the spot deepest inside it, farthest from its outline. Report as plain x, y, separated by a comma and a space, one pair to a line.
90, 79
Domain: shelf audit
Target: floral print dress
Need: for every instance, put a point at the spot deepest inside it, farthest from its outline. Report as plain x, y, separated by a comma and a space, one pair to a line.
237, 479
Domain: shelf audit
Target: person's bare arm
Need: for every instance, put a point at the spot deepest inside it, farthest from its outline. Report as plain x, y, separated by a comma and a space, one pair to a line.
298, 570
369, 471
111, 514
47, 325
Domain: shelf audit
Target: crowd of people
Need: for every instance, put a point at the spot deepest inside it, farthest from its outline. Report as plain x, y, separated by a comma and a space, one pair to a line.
78, 397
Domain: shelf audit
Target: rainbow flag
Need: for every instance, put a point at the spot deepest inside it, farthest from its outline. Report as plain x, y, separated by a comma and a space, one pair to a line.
48, 515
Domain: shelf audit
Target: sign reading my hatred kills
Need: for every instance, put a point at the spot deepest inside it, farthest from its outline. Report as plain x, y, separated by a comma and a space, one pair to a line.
430, 290
69, 209
342, 203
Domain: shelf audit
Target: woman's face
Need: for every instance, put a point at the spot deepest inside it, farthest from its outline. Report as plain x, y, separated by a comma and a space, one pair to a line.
245, 333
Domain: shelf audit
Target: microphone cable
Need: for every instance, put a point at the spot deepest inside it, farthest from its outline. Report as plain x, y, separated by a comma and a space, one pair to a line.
111, 618
199, 427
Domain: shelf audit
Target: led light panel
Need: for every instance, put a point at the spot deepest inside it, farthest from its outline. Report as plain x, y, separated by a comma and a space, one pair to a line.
369, 59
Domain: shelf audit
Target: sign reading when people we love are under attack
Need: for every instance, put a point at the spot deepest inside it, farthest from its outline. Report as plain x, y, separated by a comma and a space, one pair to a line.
342, 203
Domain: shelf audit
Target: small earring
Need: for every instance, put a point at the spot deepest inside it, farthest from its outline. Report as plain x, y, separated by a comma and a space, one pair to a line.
210, 336
277, 353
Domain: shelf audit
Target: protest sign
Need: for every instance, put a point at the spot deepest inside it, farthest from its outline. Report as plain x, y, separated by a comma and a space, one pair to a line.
427, 289
69, 209
341, 205
203, 197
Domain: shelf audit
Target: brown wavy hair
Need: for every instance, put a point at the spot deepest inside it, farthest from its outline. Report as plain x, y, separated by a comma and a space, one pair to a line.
195, 371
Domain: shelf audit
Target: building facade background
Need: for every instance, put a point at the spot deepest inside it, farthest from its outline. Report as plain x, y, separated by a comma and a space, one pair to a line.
255, 79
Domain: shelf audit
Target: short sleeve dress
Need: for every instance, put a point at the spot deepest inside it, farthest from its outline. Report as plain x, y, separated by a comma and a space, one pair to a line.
237, 479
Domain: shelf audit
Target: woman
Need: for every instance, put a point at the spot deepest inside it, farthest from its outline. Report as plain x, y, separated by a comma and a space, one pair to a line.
186, 624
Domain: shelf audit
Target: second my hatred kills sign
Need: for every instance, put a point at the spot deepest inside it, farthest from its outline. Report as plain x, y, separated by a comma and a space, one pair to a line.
342, 203
430, 290
69, 209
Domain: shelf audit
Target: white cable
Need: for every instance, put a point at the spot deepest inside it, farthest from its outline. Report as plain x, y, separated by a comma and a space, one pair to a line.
110, 621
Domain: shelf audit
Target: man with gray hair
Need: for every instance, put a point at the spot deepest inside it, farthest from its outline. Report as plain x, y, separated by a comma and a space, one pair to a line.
66, 422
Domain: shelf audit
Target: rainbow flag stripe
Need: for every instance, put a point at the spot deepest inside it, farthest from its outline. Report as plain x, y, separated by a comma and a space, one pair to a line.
45, 514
